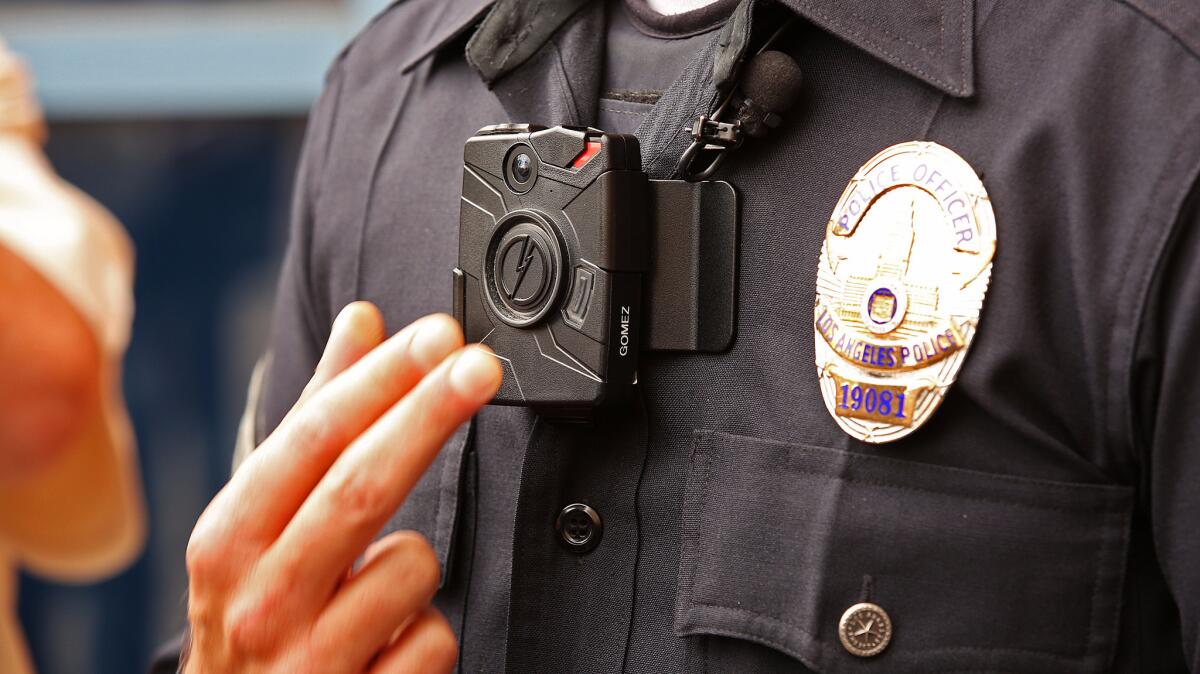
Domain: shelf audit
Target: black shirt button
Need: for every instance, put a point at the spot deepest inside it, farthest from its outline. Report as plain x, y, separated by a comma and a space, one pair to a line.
579, 527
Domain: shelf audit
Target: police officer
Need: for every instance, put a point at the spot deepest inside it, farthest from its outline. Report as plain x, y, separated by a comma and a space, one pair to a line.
1029, 505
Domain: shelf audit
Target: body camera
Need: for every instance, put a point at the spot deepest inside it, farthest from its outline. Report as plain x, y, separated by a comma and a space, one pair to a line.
552, 253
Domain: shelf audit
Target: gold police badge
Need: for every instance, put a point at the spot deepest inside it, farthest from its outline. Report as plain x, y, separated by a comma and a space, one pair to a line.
903, 274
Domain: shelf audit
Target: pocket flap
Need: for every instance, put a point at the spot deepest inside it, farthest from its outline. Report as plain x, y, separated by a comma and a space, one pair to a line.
978, 572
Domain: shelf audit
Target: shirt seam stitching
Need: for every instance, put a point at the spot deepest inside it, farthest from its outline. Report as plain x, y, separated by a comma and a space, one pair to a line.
1157, 24
335, 78
792, 625
1146, 283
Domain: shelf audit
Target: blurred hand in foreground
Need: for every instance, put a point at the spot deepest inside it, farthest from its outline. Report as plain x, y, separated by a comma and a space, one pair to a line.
51, 362
270, 561
70, 497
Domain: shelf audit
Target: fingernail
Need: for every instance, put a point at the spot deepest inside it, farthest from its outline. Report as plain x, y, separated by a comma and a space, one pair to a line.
435, 339
475, 375
343, 320
338, 330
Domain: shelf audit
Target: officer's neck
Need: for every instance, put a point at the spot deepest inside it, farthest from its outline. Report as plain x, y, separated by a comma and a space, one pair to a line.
669, 7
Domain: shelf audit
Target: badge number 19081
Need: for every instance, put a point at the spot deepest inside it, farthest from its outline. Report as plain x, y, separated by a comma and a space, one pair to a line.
902, 278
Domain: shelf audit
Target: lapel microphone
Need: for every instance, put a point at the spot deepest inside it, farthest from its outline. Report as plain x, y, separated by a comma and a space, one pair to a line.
767, 87
770, 86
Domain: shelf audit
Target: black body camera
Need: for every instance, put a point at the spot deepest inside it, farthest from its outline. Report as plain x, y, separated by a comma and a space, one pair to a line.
559, 232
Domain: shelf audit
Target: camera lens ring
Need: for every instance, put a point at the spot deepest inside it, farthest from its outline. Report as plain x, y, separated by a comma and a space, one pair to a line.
520, 168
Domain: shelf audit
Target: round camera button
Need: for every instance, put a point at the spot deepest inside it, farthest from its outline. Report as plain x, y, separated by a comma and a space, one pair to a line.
523, 269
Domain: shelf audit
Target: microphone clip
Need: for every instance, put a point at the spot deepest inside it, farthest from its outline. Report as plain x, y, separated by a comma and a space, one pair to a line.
715, 134
756, 121
708, 135
754, 105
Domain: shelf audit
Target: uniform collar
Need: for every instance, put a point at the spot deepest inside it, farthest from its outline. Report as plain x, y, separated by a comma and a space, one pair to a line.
932, 40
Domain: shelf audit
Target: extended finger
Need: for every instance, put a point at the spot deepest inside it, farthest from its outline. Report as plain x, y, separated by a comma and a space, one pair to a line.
267, 490
357, 329
427, 645
374, 475
394, 585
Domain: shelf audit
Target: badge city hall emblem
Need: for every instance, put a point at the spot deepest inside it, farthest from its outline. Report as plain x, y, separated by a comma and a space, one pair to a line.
903, 274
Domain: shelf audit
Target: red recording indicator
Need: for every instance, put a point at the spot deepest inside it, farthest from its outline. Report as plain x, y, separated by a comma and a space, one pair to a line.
592, 149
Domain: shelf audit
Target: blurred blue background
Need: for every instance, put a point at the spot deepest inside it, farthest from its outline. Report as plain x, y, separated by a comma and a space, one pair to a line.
184, 118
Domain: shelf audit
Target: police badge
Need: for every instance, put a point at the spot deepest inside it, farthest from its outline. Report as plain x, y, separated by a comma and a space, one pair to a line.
902, 277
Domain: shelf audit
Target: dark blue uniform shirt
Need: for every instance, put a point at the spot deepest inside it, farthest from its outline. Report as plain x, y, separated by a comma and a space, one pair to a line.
1046, 519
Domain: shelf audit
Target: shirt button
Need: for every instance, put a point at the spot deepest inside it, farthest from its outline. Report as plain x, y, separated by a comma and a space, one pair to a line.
865, 629
579, 527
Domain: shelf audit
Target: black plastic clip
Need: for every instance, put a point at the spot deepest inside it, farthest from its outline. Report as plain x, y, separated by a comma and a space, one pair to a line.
712, 136
722, 134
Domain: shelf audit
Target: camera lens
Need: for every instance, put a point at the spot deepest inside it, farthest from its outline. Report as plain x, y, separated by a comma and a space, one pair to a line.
522, 168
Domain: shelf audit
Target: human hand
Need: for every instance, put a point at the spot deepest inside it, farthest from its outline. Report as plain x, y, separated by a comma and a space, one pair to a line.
51, 362
269, 563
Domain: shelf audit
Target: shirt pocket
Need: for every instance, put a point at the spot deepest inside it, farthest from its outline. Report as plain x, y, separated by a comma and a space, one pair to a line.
978, 572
